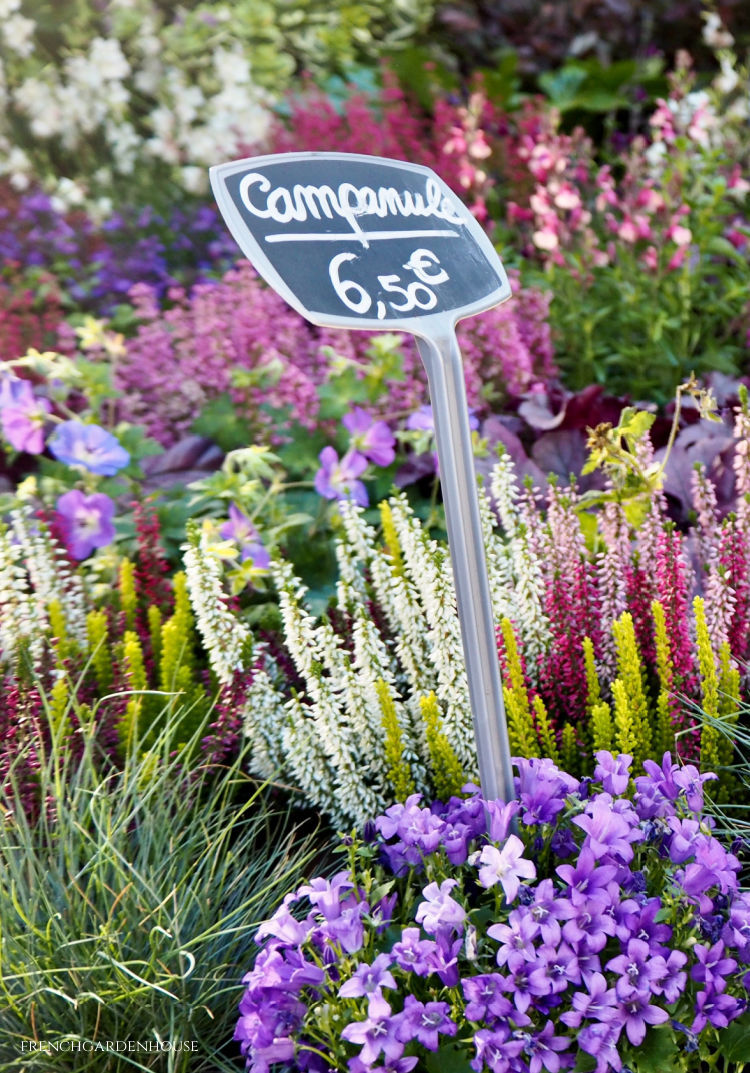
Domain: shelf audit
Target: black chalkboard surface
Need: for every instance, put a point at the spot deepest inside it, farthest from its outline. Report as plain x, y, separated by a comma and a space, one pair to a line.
360, 242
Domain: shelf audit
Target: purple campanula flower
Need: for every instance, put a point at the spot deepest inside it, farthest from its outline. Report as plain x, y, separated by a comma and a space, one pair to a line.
484, 998
376, 1034
496, 1050
368, 979
371, 438
712, 867
516, 939
714, 1007
500, 815
443, 958
600, 1040
712, 965
542, 789
589, 924
241, 530
613, 772
412, 953
338, 478
587, 878
636, 1012
682, 842
607, 832
439, 910
89, 446
543, 1047
23, 415
85, 521
561, 967
597, 1003
658, 792
423, 1021
325, 894
674, 983
506, 866
638, 969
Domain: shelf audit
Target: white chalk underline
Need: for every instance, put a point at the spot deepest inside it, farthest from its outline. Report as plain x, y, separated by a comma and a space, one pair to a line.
362, 236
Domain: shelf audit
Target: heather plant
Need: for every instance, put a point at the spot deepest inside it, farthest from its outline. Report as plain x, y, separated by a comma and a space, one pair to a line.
236, 339
130, 898
615, 630
595, 924
96, 100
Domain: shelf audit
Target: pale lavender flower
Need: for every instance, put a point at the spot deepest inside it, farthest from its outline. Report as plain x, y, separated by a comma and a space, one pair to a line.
597, 1003
613, 772
608, 833
637, 1012
23, 415
86, 521
423, 1021
89, 446
377, 1034
338, 478
368, 979
241, 530
369, 437
506, 866
439, 910
413, 953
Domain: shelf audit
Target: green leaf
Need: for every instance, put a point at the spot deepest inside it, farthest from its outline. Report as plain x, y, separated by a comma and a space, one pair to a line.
734, 1041
448, 1059
657, 1052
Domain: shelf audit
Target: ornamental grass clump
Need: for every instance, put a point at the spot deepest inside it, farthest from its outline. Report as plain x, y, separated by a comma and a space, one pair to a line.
594, 925
128, 904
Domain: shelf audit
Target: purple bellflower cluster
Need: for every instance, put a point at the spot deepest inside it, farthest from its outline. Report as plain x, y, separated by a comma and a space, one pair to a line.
575, 928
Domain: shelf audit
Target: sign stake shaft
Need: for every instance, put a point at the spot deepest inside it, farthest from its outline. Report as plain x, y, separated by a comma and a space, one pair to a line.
442, 361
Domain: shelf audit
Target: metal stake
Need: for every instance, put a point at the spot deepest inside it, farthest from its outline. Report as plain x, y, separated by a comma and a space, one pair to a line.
442, 361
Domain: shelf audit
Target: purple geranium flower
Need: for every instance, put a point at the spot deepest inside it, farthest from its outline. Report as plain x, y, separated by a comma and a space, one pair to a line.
369, 437
241, 530
86, 521
338, 478
23, 415
90, 446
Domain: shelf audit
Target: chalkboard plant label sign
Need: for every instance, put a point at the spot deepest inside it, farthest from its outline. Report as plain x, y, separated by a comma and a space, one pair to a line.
360, 242
353, 241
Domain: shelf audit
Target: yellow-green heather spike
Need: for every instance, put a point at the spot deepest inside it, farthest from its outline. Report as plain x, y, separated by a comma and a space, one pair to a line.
602, 727
398, 771
593, 692
448, 775
132, 655
390, 538
59, 702
128, 597
101, 660
58, 630
570, 754
630, 673
183, 618
546, 734
626, 739
153, 617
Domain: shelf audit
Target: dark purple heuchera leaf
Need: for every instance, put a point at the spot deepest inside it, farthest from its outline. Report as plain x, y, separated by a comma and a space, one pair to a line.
564, 453
556, 407
710, 443
190, 459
